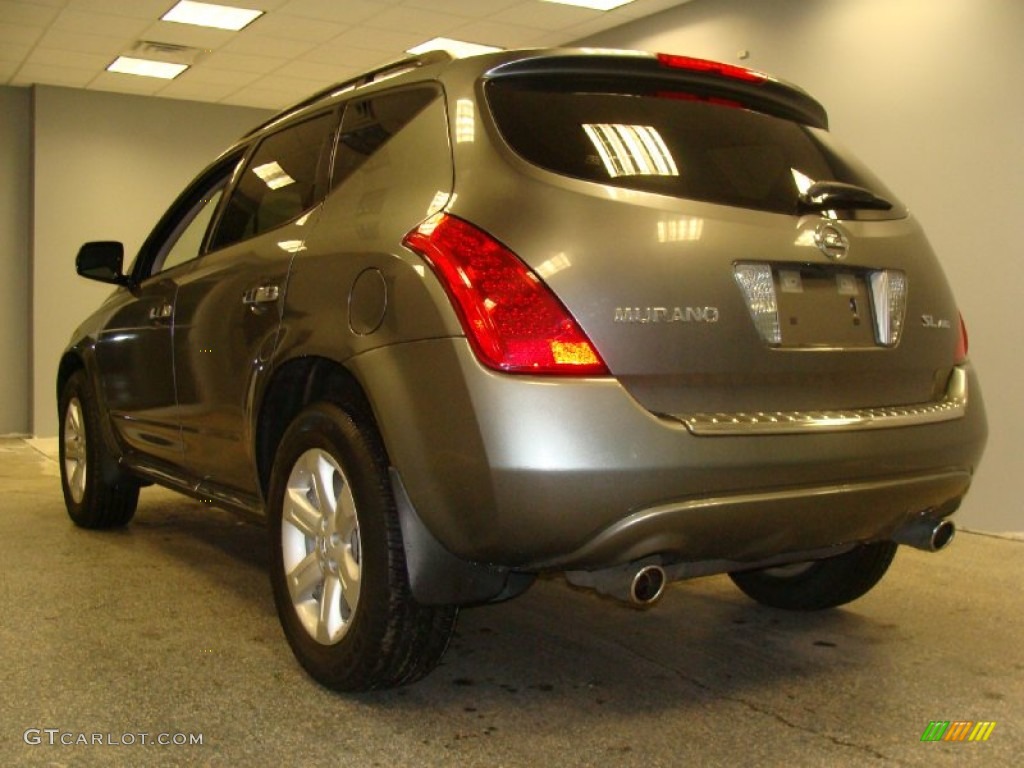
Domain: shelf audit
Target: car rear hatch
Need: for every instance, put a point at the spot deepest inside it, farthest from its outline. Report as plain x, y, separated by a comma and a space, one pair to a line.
723, 254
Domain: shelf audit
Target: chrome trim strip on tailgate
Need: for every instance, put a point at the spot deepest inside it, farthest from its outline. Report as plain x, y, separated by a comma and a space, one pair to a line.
952, 406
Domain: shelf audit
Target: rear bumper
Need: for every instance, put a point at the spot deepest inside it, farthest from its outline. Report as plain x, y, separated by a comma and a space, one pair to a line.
539, 473
751, 527
951, 407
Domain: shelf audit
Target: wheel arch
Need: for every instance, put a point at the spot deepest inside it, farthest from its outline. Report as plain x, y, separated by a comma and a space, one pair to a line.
437, 577
294, 385
70, 363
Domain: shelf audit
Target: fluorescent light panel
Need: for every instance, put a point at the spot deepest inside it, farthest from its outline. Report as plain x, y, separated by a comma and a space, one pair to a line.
273, 175
211, 15
457, 48
631, 150
165, 70
594, 5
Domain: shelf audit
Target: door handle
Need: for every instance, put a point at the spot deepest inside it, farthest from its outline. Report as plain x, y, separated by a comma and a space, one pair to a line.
161, 312
264, 294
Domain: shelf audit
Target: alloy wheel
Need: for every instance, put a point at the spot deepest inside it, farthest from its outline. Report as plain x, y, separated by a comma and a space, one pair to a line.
74, 450
320, 545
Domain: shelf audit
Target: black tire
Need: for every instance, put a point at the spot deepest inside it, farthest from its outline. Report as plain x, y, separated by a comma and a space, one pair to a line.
375, 634
821, 583
97, 492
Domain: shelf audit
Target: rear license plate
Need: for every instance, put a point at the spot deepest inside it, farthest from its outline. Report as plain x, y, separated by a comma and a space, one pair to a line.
823, 307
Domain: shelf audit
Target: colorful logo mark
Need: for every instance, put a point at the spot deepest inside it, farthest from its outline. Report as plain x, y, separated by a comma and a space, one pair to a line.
958, 730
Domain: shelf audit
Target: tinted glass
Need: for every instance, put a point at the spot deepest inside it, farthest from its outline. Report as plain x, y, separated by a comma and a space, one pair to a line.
667, 142
368, 124
281, 181
187, 244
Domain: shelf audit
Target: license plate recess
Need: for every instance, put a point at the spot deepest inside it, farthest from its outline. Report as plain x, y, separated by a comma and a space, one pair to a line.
823, 306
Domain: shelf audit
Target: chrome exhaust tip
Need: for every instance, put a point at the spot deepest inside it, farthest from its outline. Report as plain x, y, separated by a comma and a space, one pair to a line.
926, 534
648, 585
636, 584
942, 535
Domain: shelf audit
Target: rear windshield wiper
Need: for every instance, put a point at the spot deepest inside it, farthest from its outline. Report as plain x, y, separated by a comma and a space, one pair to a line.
833, 195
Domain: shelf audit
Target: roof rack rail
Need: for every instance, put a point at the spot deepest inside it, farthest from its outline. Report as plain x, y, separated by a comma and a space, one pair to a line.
390, 69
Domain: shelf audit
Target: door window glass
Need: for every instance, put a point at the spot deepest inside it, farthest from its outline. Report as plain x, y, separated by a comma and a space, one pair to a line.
188, 242
279, 183
180, 234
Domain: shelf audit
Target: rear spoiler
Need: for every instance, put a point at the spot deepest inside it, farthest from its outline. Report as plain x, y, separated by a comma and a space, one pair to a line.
754, 90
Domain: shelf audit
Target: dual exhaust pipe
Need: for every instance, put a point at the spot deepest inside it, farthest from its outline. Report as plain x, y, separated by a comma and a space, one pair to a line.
642, 584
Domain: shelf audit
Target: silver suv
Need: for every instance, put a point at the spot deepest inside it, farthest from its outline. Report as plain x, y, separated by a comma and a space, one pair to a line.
633, 318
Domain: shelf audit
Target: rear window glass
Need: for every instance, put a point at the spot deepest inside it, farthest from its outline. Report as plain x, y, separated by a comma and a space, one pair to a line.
667, 141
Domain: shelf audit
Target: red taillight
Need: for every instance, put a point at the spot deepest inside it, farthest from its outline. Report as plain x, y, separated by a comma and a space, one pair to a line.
711, 67
682, 96
511, 318
961, 343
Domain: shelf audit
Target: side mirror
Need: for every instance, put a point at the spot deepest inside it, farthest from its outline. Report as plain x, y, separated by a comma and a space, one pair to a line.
103, 261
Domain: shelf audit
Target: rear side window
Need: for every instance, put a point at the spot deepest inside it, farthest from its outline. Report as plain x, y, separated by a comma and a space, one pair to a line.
283, 179
369, 123
656, 139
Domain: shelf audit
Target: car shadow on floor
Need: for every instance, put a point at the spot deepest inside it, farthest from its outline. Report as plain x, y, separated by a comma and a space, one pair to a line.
556, 643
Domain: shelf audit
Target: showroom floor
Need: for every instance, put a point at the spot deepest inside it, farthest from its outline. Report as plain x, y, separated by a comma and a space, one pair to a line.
167, 628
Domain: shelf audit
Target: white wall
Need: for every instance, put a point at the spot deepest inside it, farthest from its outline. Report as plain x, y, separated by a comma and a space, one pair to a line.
105, 167
929, 94
15, 150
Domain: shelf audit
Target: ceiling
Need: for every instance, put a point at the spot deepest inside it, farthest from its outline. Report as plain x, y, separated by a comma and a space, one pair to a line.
294, 49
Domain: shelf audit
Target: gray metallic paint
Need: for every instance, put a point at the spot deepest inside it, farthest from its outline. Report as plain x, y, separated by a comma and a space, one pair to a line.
605, 233
544, 473
133, 349
223, 347
563, 461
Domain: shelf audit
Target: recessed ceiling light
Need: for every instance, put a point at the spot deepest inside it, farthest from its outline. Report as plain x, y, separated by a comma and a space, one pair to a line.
457, 48
165, 70
210, 15
596, 5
